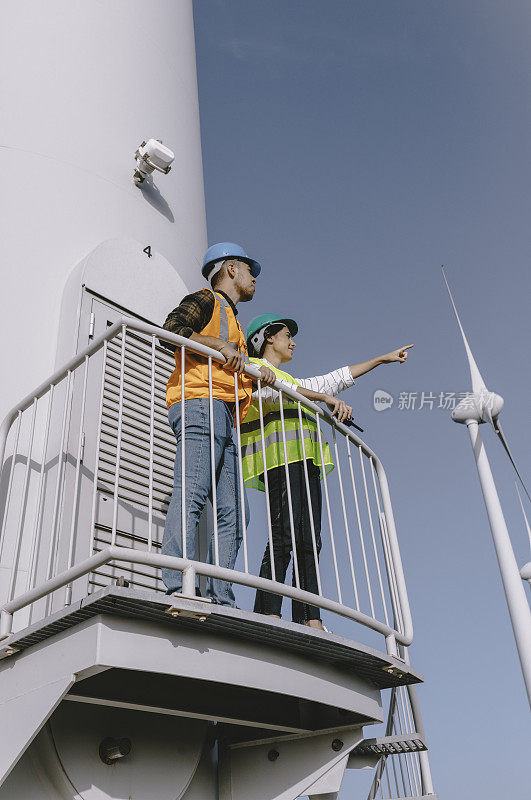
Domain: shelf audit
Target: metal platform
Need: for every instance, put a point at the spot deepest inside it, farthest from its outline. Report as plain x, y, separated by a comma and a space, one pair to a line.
381, 670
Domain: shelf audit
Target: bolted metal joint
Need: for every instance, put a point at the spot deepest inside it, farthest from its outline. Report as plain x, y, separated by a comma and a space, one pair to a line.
112, 750
337, 744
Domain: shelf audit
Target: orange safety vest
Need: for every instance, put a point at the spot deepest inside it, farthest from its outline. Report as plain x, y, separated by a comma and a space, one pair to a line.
222, 325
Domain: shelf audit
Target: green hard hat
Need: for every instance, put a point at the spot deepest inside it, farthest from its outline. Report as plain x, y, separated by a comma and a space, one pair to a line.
257, 325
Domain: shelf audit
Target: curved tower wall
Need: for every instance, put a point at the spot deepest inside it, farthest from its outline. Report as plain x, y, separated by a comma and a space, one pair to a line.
84, 83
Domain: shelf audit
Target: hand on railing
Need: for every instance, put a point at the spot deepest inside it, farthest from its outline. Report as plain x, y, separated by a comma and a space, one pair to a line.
234, 360
338, 408
267, 375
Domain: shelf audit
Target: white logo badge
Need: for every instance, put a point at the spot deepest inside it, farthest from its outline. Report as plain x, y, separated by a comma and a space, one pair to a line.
382, 400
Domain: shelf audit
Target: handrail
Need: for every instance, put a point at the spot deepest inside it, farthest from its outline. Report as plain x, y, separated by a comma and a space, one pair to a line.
161, 333
405, 636
117, 554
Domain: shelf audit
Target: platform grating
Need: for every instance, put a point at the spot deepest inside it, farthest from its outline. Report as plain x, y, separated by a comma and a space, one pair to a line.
348, 655
392, 745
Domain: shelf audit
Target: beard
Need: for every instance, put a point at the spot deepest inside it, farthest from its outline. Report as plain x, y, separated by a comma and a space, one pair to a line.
246, 293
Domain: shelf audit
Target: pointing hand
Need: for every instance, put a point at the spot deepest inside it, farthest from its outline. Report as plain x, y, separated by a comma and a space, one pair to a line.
399, 355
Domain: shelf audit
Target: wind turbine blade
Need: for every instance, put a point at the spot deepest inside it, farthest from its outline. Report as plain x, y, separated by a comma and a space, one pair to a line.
477, 381
501, 436
523, 512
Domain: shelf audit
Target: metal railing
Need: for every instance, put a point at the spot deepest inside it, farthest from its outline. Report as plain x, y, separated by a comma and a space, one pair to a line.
403, 769
86, 484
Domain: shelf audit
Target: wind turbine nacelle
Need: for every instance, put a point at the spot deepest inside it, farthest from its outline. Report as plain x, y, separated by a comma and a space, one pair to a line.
482, 406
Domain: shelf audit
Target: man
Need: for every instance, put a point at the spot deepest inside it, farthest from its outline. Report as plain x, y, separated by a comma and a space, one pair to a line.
209, 317
270, 343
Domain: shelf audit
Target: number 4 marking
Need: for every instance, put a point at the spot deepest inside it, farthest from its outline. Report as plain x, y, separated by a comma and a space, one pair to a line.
147, 251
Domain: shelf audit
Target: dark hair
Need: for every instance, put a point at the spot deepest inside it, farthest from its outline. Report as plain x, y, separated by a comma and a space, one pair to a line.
216, 280
251, 351
275, 327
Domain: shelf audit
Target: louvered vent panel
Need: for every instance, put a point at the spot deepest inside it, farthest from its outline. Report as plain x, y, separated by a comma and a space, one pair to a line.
133, 477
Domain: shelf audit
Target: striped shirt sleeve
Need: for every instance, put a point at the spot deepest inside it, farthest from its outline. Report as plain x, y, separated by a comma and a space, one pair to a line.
331, 383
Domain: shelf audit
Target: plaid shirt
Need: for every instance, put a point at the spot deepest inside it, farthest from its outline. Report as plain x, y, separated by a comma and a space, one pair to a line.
193, 313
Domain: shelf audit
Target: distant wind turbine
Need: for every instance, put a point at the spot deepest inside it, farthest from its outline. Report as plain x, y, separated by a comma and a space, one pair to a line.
484, 406
525, 572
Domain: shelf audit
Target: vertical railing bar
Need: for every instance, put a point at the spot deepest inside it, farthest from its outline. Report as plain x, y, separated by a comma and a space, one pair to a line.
376, 558
388, 556
58, 482
375, 781
183, 452
416, 772
408, 755
10, 483
118, 439
97, 452
407, 715
240, 472
393, 589
402, 731
414, 756
377, 778
329, 513
388, 732
345, 520
213, 463
405, 720
151, 445
393, 764
53, 548
266, 481
18, 542
411, 789
399, 715
63, 480
288, 486
310, 506
390, 727
68, 589
386, 771
400, 763
37, 530
360, 528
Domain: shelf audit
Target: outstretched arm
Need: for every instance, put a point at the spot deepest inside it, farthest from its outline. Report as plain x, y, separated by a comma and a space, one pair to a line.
399, 355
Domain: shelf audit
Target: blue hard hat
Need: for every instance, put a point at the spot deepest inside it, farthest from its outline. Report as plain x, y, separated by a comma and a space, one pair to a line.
224, 250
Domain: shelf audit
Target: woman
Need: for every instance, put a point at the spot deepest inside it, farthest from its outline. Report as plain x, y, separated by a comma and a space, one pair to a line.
270, 344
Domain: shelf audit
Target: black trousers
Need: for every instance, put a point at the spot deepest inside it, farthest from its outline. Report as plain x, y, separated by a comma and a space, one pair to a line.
267, 603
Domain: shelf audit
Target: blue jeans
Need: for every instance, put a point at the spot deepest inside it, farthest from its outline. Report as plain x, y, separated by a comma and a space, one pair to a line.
198, 486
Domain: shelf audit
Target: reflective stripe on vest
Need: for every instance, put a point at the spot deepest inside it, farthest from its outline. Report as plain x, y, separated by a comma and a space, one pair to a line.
222, 325
298, 446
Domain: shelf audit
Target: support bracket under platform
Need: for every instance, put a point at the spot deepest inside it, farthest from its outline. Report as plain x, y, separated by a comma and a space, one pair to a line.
22, 717
293, 767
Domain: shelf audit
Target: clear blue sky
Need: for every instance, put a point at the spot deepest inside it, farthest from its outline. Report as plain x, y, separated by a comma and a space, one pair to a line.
354, 147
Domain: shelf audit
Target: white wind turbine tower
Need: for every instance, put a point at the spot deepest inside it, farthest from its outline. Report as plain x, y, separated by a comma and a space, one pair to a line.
525, 572
484, 406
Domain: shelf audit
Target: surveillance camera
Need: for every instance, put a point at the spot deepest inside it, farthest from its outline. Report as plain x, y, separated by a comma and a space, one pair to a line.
152, 155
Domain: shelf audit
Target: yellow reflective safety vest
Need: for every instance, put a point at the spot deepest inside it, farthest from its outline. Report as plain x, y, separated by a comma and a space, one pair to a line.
251, 437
